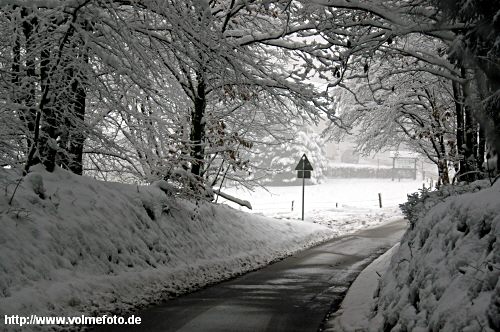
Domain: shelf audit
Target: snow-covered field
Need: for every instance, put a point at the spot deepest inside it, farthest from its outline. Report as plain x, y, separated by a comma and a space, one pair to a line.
344, 205
70, 245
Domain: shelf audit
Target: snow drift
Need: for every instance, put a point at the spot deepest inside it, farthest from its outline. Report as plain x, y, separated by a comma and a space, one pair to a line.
444, 277
71, 245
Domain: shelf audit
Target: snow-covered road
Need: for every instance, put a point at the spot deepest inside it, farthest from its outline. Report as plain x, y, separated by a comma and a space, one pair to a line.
292, 295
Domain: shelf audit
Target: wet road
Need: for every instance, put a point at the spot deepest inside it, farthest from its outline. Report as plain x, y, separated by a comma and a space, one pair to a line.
292, 295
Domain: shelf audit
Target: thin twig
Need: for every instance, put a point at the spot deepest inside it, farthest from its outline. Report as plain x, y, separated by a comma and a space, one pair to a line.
15, 189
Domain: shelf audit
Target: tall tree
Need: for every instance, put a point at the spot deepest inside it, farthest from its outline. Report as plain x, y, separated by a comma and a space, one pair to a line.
412, 109
139, 86
364, 31
477, 46
231, 51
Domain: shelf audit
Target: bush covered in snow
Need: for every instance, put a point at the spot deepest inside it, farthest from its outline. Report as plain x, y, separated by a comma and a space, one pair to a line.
420, 202
444, 277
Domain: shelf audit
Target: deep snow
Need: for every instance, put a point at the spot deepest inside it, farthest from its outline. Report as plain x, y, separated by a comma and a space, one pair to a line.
444, 275
344, 205
71, 245
359, 303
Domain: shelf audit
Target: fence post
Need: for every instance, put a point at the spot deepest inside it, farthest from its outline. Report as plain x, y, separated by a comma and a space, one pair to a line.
380, 200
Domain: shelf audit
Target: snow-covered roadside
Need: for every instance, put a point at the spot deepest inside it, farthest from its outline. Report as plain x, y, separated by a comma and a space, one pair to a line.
445, 274
350, 220
344, 205
358, 305
71, 245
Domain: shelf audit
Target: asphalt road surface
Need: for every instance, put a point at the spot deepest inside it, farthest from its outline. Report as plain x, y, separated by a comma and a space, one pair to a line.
294, 294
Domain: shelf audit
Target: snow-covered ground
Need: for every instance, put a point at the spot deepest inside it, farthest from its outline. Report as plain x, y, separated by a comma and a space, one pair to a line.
344, 205
358, 306
445, 274
70, 245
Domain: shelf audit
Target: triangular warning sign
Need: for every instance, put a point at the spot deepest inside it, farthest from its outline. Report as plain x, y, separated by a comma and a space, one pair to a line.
304, 164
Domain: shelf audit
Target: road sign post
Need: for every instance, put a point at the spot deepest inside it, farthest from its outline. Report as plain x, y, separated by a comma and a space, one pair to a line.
303, 169
303, 194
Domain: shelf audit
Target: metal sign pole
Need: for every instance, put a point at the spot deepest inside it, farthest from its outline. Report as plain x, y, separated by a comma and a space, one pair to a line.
303, 169
303, 190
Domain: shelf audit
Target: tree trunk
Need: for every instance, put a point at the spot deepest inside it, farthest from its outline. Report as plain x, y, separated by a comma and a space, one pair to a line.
15, 73
471, 126
198, 127
77, 131
444, 177
492, 114
491, 71
59, 100
459, 103
76, 123
47, 149
24, 85
470, 152
481, 151
30, 94
443, 162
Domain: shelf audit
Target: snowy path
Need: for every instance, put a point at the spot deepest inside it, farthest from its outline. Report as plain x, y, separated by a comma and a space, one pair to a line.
292, 295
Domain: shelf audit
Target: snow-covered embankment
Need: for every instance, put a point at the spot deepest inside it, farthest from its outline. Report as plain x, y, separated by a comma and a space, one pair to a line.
444, 276
71, 245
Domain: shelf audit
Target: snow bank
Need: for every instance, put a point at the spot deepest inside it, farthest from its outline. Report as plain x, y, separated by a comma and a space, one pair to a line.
71, 245
445, 275
357, 307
